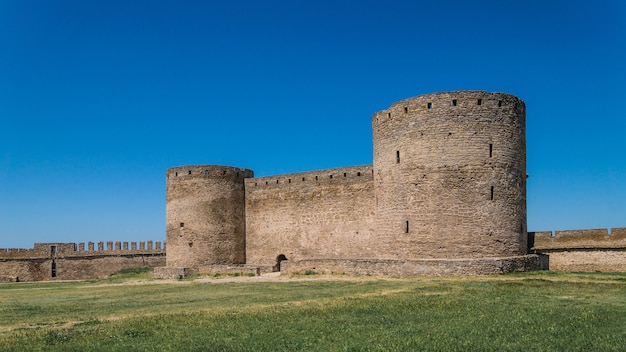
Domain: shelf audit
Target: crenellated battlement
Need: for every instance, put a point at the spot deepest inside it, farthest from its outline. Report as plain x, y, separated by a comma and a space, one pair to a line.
465, 104
207, 171
66, 250
350, 174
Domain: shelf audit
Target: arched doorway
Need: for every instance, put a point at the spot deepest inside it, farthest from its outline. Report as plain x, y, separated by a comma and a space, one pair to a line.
279, 259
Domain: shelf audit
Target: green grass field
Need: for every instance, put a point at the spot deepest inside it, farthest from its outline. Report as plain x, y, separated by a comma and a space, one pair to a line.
540, 311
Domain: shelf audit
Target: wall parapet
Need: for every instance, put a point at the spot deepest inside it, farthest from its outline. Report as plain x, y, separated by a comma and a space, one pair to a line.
614, 238
89, 249
450, 102
335, 175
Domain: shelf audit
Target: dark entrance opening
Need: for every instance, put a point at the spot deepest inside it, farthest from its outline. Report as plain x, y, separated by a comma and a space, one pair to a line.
54, 269
279, 259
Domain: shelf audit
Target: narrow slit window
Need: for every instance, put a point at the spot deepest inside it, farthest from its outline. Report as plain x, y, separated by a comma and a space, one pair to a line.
276, 181
316, 178
190, 172
358, 174
490, 150
499, 103
397, 157
491, 197
479, 102
406, 227
345, 174
182, 224
303, 179
406, 109
266, 182
206, 172
453, 102
289, 180
331, 177
429, 105
388, 114
54, 269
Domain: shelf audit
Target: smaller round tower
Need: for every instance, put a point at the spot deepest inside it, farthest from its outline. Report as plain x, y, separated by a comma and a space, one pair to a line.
205, 215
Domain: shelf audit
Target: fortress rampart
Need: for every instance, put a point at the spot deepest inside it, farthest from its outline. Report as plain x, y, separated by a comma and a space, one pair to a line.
445, 195
447, 183
72, 261
582, 250
318, 214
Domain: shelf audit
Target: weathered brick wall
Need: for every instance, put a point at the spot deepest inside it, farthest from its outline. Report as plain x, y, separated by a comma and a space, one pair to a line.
450, 176
205, 219
318, 214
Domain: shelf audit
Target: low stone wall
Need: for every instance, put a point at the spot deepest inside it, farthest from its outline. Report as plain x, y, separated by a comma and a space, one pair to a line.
606, 260
568, 239
74, 268
179, 273
427, 267
170, 272
582, 250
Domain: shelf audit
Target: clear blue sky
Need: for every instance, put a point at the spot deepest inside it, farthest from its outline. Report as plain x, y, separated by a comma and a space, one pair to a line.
99, 98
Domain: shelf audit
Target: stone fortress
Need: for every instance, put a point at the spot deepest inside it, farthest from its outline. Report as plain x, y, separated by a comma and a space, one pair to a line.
446, 194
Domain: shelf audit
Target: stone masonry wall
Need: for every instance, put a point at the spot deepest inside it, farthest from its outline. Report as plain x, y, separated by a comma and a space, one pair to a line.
318, 214
70, 261
582, 250
205, 216
450, 176
425, 267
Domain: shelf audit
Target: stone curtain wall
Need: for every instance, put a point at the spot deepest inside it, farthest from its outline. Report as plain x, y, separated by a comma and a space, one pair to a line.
450, 176
318, 214
582, 250
70, 261
205, 219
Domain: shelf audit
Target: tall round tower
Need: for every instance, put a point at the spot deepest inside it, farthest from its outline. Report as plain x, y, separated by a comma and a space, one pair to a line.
205, 215
450, 176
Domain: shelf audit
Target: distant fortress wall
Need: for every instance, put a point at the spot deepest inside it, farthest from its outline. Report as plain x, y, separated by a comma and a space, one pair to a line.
582, 250
72, 261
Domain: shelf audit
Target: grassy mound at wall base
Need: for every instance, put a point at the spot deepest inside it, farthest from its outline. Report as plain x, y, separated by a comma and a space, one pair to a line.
530, 312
